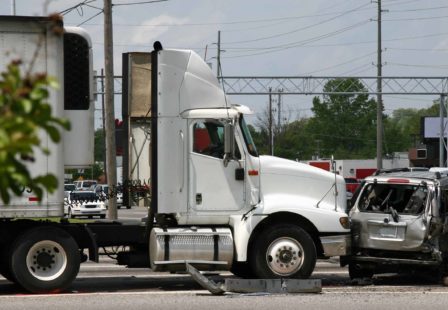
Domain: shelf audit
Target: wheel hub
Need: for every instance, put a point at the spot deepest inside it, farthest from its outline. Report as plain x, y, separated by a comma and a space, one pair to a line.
46, 260
285, 256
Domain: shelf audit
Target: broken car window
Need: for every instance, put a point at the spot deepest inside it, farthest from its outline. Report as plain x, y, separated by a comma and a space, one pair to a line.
383, 198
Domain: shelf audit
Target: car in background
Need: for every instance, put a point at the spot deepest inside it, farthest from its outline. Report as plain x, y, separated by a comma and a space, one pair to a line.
84, 185
351, 184
68, 188
84, 203
102, 191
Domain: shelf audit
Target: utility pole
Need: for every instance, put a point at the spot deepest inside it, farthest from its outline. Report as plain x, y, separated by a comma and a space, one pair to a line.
218, 56
379, 104
442, 145
109, 107
104, 123
279, 106
270, 135
13, 7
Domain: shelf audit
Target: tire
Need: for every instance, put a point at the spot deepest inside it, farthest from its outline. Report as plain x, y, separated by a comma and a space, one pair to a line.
128, 207
70, 213
242, 270
283, 251
357, 271
103, 216
44, 260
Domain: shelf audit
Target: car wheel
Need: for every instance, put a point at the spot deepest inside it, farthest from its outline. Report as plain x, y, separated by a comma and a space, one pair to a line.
283, 251
128, 207
103, 216
44, 259
70, 213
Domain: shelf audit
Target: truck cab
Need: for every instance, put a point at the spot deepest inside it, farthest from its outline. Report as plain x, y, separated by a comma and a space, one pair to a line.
205, 171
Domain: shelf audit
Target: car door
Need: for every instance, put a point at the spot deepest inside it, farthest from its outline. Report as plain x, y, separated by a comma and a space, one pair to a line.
213, 187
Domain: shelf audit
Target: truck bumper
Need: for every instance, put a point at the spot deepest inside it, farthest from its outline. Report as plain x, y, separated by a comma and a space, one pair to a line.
339, 245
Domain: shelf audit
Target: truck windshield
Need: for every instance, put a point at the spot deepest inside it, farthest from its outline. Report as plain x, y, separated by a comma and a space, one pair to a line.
248, 138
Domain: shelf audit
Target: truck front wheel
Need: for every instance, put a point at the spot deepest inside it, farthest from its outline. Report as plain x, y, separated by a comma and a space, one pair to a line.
45, 259
283, 251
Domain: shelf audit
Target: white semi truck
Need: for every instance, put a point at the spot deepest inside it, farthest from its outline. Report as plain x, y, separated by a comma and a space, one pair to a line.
215, 202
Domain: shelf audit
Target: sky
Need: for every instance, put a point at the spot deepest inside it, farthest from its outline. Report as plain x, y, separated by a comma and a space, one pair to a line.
273, 38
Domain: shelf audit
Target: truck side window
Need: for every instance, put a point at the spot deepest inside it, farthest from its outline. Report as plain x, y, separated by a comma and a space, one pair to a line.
208, 138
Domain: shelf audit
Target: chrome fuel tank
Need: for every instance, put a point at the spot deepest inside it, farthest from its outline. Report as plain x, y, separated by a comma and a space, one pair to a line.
206, 248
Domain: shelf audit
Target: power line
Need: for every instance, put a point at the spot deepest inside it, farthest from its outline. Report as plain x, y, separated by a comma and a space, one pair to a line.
415, 18
77, 6
299, 29
226, 23
136, 3
303, 42
418, 49
341, 64
417, 10
400, 2
101, 12
444, 67
357, 70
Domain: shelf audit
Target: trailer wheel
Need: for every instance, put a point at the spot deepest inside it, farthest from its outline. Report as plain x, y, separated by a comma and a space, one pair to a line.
283, 251
45, 259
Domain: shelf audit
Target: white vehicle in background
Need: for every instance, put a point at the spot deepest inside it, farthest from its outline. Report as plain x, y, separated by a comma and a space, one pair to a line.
84, 185
68, 188
103, 193
84, 203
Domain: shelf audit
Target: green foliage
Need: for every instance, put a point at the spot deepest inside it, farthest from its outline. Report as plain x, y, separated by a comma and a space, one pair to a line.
24, 113
343, 126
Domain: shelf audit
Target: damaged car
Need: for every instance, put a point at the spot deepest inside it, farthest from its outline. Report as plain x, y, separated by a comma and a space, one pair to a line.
399, 223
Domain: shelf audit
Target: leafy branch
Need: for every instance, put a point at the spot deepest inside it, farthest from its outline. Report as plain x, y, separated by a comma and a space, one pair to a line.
24, 114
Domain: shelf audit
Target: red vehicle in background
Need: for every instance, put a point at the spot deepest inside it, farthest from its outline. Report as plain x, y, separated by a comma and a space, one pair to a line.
351, 184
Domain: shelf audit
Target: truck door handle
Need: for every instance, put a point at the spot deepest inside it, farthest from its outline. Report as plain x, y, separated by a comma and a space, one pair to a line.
199, 199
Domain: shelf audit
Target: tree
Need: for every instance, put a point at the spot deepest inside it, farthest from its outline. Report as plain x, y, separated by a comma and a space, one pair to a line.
24, 112
345, 124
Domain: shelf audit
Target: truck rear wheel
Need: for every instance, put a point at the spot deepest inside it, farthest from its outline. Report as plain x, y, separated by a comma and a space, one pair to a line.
45, 259
283, 251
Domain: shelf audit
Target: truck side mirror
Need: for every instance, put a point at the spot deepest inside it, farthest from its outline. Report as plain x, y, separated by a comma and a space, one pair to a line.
229, 143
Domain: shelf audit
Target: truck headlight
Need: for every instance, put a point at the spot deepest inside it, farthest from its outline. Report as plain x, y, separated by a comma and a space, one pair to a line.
345, 222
